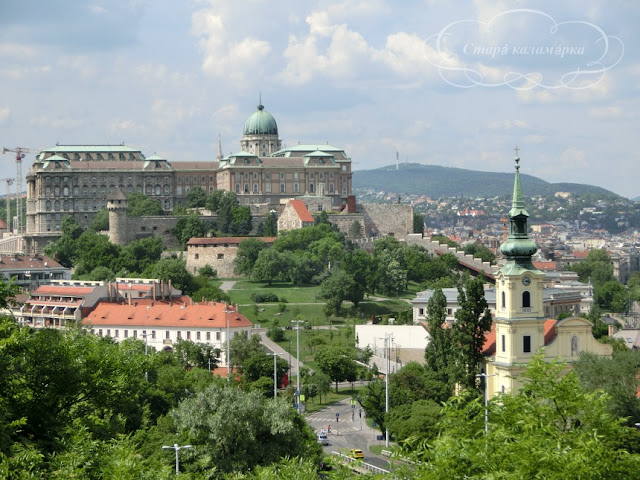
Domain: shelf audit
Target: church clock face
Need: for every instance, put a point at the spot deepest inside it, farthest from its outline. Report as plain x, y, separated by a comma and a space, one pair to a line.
526, 281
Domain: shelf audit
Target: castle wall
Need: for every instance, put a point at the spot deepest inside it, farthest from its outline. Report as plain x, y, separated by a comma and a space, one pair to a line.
386, 219
220, 258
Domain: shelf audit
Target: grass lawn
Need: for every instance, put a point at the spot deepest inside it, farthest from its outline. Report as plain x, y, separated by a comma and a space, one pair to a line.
243, 290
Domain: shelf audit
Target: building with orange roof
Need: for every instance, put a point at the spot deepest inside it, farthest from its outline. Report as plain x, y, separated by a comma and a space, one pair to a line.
161, 325
295, 215
66, 302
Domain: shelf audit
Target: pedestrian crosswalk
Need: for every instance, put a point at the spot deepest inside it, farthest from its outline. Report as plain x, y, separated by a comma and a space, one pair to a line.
321, 420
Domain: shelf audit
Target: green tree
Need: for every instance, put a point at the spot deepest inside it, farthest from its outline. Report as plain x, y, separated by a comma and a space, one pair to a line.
241, 220
224, 425
418, 223
210, 293
611, 296
100, 222
270, 225
335, 289
140, 205
188, 227
191, 354
271, 265
481, 252
173, 270
418, 419
473, 321
321, 381
552, 428
337, 363
242, 348
617, 376
355, 230
196, 197
248, 251
441, 351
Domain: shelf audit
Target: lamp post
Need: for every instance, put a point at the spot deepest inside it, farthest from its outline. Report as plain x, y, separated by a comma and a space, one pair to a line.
227, 311
486, 401
297, 322
146, 372
177, 448
275, 374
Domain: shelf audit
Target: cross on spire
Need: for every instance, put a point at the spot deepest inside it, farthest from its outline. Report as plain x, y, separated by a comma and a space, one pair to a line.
517, 150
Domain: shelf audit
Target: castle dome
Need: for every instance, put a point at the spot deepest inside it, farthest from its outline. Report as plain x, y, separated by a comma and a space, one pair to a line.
260, 122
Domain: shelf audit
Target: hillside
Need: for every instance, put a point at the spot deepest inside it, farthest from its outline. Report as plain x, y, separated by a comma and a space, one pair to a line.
436, 181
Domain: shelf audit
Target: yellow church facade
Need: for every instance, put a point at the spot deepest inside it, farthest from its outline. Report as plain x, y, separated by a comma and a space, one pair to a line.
521, 329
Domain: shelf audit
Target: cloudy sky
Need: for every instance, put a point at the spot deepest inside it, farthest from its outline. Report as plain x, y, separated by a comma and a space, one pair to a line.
443, 82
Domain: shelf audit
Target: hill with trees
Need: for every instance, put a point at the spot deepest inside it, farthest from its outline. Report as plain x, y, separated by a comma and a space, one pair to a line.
437, 181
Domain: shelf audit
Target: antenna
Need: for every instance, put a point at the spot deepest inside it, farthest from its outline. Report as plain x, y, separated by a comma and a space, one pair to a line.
397, 157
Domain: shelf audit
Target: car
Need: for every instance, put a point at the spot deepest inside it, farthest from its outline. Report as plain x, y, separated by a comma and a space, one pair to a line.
356, 453
323, 439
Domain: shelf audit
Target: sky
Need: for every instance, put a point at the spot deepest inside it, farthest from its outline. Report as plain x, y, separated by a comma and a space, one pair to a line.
456, 83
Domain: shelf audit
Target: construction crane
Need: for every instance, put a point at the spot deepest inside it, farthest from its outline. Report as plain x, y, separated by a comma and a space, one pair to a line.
20, 152
8, 199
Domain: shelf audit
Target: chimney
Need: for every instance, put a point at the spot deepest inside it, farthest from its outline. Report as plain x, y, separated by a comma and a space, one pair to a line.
351, 204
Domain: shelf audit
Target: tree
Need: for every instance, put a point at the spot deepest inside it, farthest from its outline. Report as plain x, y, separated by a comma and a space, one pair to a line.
617, 376
418, 223
173, 270
191, 354
196, 197
241, 220
611, 296
355, 230
140, 205
207, 271
210, 293
242, 348
418, 419
100, 221
188, 227
321, 381
337, 363
270, 225
248, 251
335, 289
481, 252
224, 425
473, 321
440, 354
551, 428
271, 265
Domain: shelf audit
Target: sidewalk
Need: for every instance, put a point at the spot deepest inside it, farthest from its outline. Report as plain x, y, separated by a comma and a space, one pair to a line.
275, 348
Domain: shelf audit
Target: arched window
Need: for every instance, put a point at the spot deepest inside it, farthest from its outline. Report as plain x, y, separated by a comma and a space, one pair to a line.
526, 300
504, 300
158, 190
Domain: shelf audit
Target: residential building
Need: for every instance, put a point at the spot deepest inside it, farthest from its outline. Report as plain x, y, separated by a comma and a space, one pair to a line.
161, 325
31, 271
295, 215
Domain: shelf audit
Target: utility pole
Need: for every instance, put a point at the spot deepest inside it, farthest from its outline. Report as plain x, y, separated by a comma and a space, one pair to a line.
297, 322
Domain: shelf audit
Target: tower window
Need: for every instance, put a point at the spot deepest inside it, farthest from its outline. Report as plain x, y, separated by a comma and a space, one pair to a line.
503, 300
526, 343
504, 343
526, 300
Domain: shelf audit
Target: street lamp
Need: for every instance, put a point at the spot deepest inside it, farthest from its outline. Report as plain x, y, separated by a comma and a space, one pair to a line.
177, 448
227, 311
275, 374
145, 335
297, 322
486, 401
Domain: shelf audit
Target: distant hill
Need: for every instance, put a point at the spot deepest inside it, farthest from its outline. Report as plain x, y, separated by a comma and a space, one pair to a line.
436, 181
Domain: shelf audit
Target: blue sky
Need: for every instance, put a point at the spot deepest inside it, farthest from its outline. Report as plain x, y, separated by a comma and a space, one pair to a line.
443, 82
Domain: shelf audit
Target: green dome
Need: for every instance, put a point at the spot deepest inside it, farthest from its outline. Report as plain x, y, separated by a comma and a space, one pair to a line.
260, 122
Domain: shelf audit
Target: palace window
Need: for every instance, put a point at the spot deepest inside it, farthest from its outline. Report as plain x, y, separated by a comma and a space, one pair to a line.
282, 188
526, 343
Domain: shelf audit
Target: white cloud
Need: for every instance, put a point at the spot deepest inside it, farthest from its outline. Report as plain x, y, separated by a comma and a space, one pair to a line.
573, 158
223, 54
5, 114
508, 124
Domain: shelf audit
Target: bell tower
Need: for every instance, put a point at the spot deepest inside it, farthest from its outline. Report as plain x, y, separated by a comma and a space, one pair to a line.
519, 299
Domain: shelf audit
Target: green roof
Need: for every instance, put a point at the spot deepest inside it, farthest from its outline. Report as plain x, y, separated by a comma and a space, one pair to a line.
283, 152
318, 153
260, 122
90, 148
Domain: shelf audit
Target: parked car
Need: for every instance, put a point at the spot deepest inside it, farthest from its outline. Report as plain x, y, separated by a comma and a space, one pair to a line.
323, 439
356, 453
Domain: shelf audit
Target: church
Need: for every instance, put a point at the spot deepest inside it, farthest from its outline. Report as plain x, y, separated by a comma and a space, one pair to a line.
75, 180
520, 326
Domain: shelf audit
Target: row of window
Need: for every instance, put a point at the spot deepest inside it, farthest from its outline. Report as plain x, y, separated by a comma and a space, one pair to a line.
98, 156
143, 333
187, 179
103, 180
526, 343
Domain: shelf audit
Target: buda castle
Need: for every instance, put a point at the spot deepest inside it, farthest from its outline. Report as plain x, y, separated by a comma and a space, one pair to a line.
76, 180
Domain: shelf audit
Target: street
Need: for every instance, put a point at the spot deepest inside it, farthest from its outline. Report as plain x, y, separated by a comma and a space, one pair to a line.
347, 433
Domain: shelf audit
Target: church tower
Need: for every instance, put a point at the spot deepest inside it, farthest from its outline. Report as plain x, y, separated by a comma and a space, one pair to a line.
520, 319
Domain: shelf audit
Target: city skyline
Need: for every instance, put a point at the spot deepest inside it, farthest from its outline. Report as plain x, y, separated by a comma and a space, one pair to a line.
442, 83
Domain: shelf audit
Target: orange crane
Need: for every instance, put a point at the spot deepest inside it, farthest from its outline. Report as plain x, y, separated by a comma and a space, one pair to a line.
8, 199
20, 153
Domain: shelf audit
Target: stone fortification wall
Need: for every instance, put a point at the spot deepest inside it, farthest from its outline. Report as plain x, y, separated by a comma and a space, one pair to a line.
386, 219
344, 221
220, 258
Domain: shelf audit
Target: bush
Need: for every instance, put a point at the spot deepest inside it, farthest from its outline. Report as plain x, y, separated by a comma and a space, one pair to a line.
264, 297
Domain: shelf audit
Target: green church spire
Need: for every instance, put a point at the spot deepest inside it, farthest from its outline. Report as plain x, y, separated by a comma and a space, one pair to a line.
518, 248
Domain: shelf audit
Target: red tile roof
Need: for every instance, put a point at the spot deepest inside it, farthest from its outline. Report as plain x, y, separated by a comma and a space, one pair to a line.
13, 261
210, 315
223, 240
61, 290
3, 224
580, 253
301, 210
545, 265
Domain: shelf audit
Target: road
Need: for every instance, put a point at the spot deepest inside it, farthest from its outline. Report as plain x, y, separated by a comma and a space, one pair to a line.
347, 433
